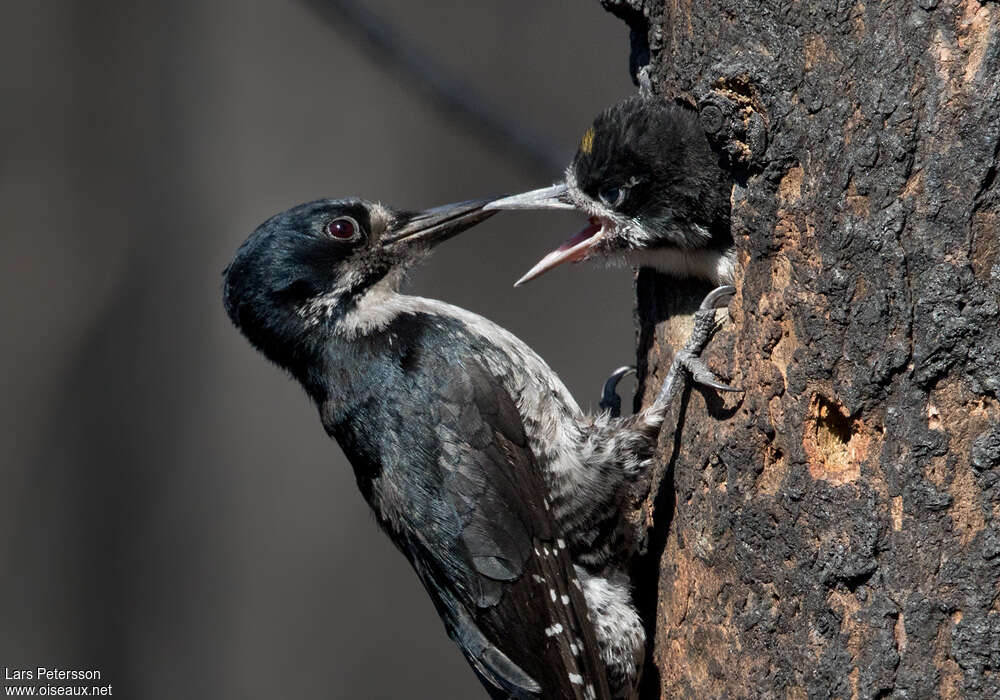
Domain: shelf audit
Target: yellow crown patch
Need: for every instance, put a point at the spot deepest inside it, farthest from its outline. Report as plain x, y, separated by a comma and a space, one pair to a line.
587, 144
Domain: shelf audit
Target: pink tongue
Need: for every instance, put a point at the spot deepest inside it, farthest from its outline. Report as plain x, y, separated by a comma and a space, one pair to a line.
589, 232
573, 250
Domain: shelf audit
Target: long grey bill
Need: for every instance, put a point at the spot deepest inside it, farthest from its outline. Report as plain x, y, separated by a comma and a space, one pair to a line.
554, 197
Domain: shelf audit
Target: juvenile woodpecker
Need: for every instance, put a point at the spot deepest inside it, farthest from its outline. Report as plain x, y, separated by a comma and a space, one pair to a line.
654, 191
475, 458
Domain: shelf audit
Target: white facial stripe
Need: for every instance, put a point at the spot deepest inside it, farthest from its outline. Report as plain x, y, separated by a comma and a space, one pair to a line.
374, 309
705, 263
319, 308
381, 217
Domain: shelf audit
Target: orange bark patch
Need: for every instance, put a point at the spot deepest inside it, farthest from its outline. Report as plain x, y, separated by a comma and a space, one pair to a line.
679, 328
699, 643
775, 469
949, 671
790, 187
975, 30
784, 350
848, 606
953, 409
815, 52
899, 632
860, 29
896, 510
966, 512
914, 186
853, 678
985, 251
941, 50
857, 202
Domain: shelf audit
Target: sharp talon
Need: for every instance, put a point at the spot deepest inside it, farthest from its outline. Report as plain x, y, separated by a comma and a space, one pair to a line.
718, 297
701, 374
719, 386
619, 374
688, 358
610, 400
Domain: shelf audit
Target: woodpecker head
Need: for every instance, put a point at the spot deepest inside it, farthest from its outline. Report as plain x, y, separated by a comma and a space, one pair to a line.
310, 266
652, 187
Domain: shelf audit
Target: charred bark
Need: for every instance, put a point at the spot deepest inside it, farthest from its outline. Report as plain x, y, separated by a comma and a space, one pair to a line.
834, 531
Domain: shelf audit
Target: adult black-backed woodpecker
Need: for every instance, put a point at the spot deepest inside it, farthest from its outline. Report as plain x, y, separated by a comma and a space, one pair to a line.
653, 188
475, 458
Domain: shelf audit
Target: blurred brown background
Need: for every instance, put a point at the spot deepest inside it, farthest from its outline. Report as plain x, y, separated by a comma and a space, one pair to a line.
171, 511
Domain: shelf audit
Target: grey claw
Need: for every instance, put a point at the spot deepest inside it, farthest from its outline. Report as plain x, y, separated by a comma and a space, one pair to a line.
719, 386
715, 383
701, 374
688, 356
610, 400
718, 297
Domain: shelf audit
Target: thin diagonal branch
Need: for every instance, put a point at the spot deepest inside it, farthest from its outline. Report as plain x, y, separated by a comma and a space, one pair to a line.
444, 87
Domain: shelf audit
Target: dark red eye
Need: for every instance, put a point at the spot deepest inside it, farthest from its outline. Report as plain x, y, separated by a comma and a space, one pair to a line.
343, 229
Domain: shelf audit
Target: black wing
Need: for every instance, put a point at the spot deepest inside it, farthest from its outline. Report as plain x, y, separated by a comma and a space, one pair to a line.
489, 553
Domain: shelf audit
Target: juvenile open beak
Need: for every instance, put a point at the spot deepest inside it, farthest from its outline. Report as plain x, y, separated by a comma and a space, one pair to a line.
433, 226
554, 197
573, 249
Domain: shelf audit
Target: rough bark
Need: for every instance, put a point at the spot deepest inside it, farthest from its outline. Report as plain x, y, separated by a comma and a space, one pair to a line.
835, 530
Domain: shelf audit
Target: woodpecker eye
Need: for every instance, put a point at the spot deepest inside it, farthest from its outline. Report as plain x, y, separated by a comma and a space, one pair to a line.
612, 196
343, 229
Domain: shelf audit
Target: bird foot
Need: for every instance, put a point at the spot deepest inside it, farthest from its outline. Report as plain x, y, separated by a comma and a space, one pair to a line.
610, 400
688, 358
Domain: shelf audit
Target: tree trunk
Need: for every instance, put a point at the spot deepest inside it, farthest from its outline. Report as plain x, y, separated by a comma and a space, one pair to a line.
834, 531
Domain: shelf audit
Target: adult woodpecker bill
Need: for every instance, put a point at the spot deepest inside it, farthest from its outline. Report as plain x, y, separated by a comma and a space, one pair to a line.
654, 192
476, 460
